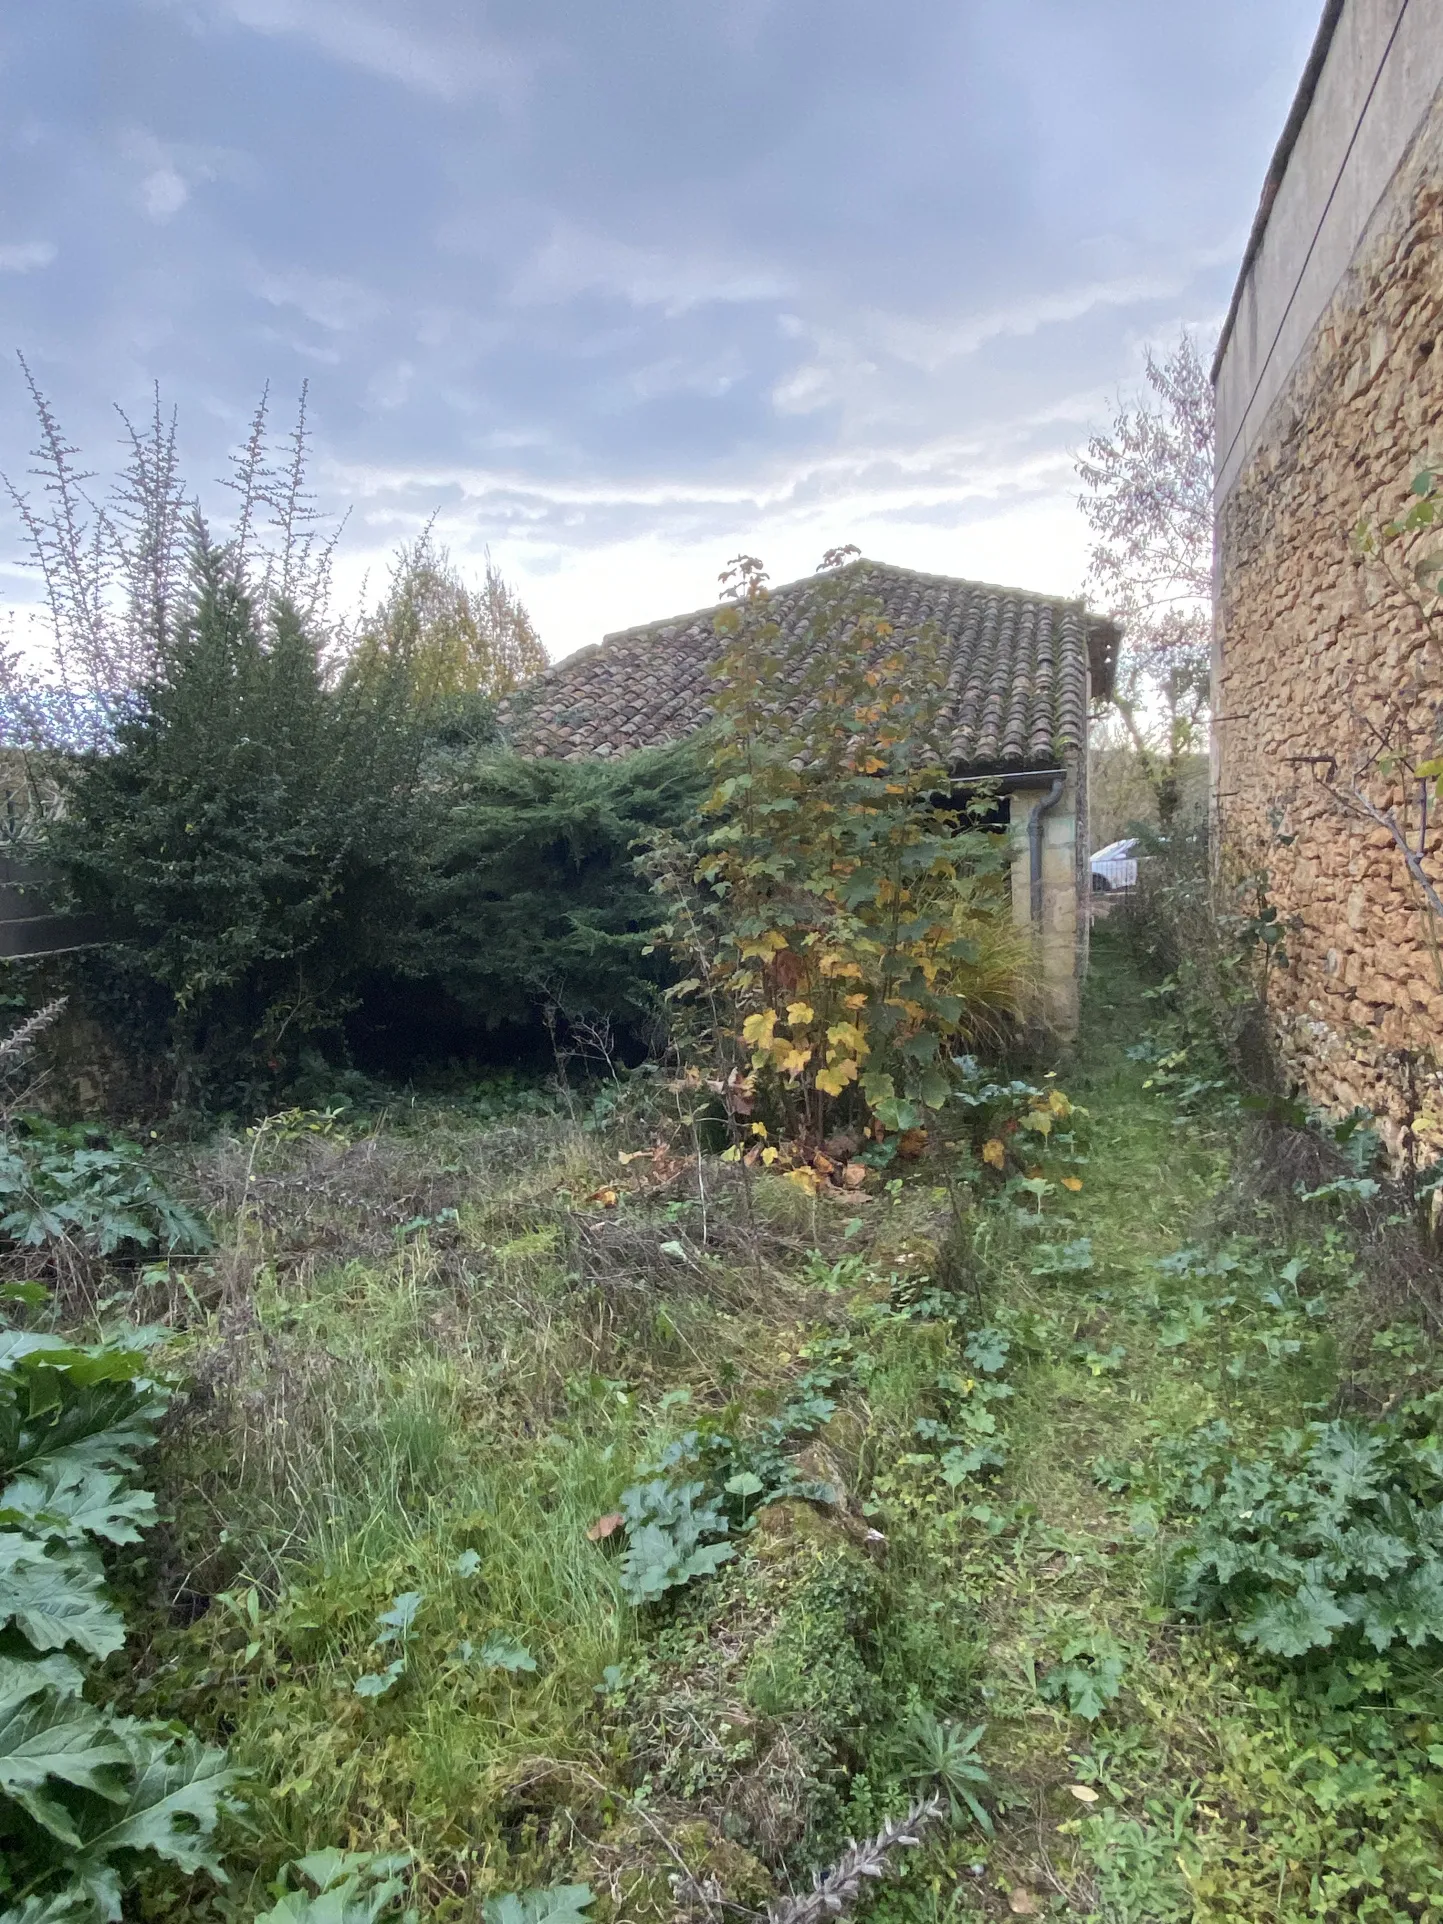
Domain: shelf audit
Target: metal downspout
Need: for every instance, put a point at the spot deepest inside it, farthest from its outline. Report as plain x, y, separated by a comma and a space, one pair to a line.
1034, 842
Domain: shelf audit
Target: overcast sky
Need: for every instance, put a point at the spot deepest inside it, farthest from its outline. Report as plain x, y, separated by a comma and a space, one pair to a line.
621, 289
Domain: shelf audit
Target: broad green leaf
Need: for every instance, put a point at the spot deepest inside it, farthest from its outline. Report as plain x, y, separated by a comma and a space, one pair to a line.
62, 1739
377, 1682
329, 1867
1291, 1626
73, 1501
352, 1887
505, 1653
744, 1483
1349, 1461
18, 1343
61, 1907
398, 1619
21, 1678
172, 1804
562, 1904
934, 1089
1411, 1608
56, 1600
33, 1294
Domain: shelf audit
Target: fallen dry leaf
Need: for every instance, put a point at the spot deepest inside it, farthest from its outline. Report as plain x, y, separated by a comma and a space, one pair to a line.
994, 1152
606, 1197
1074, 1183
1084, 1793
823, 1163
1021, 1902
911, 1144
854, 1175
604, 1527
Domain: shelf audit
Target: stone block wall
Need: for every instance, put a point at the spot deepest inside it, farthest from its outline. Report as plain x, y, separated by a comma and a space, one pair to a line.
1318, 652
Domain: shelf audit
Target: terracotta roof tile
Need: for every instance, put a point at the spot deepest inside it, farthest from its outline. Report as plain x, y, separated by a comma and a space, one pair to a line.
1016, 664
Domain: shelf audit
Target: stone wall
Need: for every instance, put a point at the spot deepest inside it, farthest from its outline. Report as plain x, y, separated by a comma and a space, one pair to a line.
1060, 939
1317, 651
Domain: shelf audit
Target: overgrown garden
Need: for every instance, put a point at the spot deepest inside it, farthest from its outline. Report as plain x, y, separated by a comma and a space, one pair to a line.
797, 1445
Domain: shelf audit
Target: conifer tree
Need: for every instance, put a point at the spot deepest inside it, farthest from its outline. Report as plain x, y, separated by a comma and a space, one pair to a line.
453, 639
249, 839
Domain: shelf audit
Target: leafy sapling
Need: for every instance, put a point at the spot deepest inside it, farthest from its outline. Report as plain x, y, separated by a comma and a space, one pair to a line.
395, 1632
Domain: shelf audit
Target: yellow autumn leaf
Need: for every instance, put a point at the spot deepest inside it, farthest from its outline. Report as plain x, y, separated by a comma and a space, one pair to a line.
994, 1152
799, 1012
834, 1078
1039, 1121
771, 942
1074, 1183
838, 965
757, 1029
1059, 1105
793, 1061
759, 1128
854, 1001
806, 1179
846, 1035
770, 1154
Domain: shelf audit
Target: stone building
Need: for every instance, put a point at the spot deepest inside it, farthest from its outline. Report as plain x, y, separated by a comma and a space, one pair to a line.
1328, 668
1021, 672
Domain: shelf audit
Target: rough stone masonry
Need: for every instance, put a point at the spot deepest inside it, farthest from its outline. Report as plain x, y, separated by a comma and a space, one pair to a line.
1321, 656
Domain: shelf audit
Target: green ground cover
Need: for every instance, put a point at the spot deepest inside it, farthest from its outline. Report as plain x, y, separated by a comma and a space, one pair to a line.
560, 1511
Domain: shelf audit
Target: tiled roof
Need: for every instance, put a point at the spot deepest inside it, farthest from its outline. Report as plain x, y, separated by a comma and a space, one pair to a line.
1017, 672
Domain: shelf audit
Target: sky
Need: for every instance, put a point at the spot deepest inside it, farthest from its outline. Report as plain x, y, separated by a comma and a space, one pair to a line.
620, 291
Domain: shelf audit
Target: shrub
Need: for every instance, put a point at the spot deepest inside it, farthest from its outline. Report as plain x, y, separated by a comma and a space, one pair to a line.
847, 922
85, 1795
250, 842
447, 638
1334, 1536
532, 893
89, 1191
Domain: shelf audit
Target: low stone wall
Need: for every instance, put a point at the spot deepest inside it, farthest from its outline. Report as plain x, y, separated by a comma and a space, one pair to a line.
1318, 654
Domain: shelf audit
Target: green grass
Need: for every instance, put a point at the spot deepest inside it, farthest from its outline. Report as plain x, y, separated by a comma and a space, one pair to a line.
1223, 1786
377, 1396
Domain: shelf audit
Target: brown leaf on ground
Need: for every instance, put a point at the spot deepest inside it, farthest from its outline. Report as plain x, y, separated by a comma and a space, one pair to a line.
1084, 1793
1021, 1902
911, 1144
606, 1197
854, 1175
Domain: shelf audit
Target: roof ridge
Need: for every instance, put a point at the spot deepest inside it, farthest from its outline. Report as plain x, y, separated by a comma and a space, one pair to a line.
832, 574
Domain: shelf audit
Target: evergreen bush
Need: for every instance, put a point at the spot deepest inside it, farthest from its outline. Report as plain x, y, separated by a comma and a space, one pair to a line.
251, 842
532, 895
